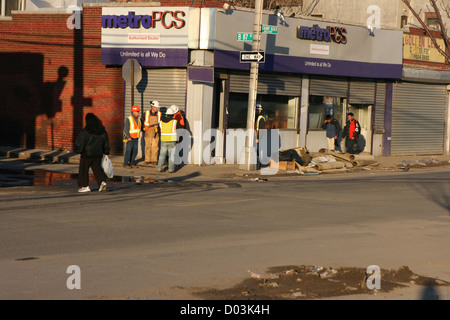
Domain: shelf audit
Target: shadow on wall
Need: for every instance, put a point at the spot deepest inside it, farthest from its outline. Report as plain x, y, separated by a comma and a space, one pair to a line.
24, 96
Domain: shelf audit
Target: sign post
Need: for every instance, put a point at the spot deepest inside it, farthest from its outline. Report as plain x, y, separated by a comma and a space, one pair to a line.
251, 160
132, 74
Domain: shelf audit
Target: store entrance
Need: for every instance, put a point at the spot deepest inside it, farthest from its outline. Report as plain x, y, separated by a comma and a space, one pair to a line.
363, 113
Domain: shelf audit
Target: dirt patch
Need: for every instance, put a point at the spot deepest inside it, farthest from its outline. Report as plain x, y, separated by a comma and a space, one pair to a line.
315, 282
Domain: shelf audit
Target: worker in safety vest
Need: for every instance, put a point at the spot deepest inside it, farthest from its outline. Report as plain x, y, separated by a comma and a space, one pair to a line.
168, 128
132, 133
260, 122
152, 118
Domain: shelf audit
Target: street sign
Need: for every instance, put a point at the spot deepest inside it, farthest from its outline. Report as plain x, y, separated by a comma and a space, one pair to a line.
131, 70
252, 56
244, 36
132, 74
269, 29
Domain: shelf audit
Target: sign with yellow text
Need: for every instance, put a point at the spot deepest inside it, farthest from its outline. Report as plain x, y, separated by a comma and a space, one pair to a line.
422, 49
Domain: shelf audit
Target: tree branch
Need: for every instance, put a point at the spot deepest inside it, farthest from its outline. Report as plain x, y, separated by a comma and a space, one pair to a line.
442, 25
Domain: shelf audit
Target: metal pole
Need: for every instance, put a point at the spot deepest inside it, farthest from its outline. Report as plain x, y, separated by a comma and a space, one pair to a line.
250, 151
132, 82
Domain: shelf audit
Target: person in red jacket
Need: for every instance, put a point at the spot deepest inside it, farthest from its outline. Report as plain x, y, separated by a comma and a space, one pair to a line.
352, 130
178, 116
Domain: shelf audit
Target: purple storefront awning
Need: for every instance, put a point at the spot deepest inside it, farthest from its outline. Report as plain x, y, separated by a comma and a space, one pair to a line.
302, 65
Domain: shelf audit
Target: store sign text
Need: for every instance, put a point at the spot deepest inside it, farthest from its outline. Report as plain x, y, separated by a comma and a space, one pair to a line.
316, 33
168, 19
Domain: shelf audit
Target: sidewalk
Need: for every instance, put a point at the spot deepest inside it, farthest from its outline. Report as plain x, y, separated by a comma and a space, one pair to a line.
392, 163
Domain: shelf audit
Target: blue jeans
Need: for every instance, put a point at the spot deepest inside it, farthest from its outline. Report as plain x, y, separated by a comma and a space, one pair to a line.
167, 150
131, 151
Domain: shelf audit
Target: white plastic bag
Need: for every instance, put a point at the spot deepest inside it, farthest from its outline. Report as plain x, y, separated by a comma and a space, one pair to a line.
107, 166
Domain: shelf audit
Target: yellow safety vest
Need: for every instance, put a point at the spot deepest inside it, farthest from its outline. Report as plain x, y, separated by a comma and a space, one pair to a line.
147, 121
168, 131
135, 128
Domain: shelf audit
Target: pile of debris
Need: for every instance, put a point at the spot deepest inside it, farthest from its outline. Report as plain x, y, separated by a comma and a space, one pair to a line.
302, 161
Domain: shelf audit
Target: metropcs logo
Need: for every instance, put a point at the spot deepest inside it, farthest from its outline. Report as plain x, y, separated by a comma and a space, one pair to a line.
168, 19
330, 33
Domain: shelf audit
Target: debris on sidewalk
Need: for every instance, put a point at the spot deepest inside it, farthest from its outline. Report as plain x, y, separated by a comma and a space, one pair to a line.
424, 162
301, 161
259, 180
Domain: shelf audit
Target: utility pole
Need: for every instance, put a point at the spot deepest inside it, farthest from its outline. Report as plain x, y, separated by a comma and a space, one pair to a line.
250, 148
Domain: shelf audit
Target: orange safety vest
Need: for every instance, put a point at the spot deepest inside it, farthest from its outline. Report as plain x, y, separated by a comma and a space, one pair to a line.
168, 131
147, 119
135, 128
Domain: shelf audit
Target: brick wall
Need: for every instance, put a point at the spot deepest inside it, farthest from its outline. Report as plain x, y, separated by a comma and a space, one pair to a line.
51, 76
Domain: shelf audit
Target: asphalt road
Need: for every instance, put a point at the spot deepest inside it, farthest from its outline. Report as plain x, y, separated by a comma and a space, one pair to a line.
166, 240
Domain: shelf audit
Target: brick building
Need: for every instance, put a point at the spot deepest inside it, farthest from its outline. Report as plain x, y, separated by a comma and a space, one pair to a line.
52, 75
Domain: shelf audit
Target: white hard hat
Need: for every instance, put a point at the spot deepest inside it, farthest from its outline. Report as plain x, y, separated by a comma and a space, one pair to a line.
155, 104
172, 110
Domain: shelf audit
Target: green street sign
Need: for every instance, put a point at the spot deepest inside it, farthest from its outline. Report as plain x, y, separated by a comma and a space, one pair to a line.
269, 29
244, 36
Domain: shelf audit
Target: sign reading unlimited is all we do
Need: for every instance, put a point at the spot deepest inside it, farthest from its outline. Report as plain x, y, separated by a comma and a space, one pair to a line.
154, 36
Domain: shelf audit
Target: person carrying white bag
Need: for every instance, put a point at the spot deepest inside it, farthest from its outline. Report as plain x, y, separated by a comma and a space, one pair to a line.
92, 143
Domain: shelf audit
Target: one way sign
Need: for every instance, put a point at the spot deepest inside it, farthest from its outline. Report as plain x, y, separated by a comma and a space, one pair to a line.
252, 56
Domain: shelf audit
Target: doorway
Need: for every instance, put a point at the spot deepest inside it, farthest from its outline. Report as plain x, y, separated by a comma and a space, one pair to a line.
363, 113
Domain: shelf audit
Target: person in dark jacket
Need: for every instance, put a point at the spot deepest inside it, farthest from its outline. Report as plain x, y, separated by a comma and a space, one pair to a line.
92, 143
352, 131
331, 125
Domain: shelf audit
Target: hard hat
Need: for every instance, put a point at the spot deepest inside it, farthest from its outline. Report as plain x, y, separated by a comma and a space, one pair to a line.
135, 108
154, 104
175, 109
259, 107
172, 110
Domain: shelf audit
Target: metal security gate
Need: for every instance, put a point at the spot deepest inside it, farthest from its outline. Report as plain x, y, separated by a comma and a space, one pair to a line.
380, 104
418, 118
319, 86
362, 92
267, 84
167, 86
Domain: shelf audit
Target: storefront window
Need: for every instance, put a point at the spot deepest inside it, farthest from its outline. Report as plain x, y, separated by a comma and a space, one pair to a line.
320, 107
280, 111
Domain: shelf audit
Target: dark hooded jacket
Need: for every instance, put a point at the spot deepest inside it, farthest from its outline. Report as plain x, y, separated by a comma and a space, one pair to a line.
93, 141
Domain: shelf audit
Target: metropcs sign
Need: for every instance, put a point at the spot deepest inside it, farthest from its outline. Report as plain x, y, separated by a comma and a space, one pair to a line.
328, 34
167, 19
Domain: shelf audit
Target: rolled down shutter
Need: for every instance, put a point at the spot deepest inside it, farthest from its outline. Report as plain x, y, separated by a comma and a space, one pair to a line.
380, 104
167, 86
268, 84
418, 118
362, 92
320, 86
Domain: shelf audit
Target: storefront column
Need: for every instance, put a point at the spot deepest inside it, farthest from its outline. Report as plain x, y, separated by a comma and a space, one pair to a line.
388, 120
447, 136
199, 102
304, 103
